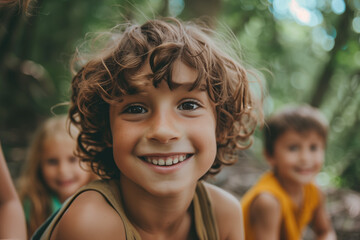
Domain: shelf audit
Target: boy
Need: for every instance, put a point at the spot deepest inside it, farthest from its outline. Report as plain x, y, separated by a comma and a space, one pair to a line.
285, 200
158, 110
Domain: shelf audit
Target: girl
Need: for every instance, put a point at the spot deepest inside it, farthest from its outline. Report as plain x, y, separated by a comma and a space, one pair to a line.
52, 172
159, 110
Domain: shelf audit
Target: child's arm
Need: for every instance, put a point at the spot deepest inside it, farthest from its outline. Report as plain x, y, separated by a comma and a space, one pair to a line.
321, 222
89, 217
12, 217
227, 212
265, 217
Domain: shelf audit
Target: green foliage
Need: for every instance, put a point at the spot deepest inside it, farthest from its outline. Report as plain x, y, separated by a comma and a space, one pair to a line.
310, 63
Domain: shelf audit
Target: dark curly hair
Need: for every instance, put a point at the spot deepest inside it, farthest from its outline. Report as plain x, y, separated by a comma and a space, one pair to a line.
301, 118
115, 72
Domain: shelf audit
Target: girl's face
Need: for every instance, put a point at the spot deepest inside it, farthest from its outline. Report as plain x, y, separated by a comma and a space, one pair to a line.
60, 168
164, 140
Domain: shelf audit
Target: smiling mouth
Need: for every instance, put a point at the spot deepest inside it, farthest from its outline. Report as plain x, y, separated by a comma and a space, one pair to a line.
65, 182
166, 160
304, 171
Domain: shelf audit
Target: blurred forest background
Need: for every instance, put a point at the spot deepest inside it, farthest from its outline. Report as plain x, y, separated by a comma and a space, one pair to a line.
307, 51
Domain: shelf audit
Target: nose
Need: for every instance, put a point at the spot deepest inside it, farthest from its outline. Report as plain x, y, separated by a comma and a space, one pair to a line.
63, 168
306, 156
163, 128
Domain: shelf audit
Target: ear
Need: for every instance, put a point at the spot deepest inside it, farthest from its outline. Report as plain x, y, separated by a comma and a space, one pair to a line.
269, 158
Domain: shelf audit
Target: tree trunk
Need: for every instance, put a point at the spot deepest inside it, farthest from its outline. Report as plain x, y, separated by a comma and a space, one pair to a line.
343, 32
202, 8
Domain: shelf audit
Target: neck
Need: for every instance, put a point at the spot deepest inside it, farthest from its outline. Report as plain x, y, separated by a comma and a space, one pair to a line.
61, 198
293, 189
157, 217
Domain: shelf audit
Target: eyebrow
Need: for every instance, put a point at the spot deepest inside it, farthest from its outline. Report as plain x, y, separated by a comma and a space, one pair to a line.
201, 87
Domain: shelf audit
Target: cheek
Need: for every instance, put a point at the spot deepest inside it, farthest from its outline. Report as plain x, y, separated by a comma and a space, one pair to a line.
283, 156
81, 171
48, 175
123, 137
203, 135
46, 171
320, 158
84, 177
124, 140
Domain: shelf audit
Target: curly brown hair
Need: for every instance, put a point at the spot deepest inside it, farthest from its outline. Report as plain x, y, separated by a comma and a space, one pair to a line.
301, 119
159, 43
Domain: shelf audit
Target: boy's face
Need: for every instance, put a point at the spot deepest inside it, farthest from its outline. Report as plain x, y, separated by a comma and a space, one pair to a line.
164, 140
297, 157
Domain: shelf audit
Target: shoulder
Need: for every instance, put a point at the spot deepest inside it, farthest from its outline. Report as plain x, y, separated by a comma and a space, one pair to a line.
265, 204
89, 216
227, 211
221, 199
265, 215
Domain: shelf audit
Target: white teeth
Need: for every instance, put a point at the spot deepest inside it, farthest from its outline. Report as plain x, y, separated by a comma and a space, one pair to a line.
161, 162
168, 161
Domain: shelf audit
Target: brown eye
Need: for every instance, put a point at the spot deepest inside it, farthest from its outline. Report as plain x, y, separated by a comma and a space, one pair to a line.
52, 161
293, 148
188, 106
135, 109
314, 147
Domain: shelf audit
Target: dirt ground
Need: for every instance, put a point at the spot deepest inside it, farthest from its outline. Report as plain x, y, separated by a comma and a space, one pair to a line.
343, 204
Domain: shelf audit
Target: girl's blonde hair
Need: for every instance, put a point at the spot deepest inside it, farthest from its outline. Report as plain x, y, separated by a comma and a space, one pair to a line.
160, 43
31, 185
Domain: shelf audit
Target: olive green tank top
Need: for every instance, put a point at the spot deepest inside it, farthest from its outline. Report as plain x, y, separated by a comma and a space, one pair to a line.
205, 223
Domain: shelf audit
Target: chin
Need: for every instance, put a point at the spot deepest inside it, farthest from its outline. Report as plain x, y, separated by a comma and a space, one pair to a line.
168, 189
306, 180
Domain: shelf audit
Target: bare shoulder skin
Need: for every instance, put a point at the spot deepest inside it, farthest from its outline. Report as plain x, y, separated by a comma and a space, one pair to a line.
265, 217
89, 217
227, 212
321, 223
12, 217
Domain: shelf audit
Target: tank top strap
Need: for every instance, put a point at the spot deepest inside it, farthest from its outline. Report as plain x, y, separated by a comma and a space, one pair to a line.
110, 191
205, 222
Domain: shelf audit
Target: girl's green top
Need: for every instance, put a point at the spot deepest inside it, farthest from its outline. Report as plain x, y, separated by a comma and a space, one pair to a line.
55, 205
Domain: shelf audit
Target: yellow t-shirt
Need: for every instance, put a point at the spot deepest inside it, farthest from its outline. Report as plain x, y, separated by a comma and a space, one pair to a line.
292, 224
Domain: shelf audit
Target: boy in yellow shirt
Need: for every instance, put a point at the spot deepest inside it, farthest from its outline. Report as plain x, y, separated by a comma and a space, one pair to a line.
285, 199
